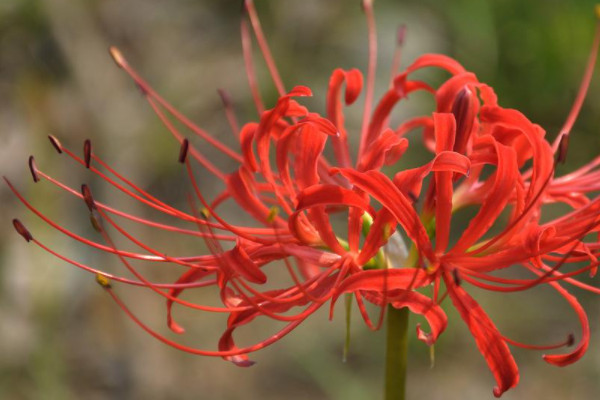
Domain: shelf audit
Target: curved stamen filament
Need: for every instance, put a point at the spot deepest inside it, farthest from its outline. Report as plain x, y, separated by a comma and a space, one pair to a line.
150, 94
372, 65
272, 339
264, 47
121, 279
583, 88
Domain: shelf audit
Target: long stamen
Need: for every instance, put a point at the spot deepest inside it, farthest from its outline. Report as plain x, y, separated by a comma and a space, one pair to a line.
226, 225
150, 285
151, 95
264, 47
229, 112
249, 66
153, 202
165, 257
400, 36
123, 279
196, 154
73, 235
565, 343
583, 88
301, 287
272, 339
372, 34
521, 217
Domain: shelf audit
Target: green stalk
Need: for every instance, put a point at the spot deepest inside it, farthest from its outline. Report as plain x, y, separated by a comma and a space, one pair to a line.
396, 353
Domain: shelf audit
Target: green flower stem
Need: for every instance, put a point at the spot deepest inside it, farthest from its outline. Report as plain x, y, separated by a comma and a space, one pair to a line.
396, 353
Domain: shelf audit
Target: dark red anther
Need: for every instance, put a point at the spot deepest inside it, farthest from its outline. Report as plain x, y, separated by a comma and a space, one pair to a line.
464, 113
21, 230
55, 143
456, 277
362, 5
87, 196
225, 97
183, 151
563, 146
95, 221
401, 35
33, 169
87, 152
570, 340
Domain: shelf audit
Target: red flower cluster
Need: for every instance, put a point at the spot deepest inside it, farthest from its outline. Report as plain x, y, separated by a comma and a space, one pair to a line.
483, 155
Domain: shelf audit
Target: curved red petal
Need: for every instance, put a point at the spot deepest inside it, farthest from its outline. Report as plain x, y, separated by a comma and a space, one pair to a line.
565, 359
383, 190
488, 339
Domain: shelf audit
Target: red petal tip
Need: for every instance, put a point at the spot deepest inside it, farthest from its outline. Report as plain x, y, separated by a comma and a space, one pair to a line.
300, 91
176, 328
21, 230
241, 361
425, 337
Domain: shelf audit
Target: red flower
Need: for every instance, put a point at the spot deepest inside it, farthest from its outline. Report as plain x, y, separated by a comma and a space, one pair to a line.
483, 155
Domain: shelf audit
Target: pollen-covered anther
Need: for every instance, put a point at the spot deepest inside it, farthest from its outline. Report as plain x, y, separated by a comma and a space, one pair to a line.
205, 213
103, 281
21, 230
117, 56
183, 151
597, 10
273, 212
33, 169
55, 143
87, 152
88, 198
563, 146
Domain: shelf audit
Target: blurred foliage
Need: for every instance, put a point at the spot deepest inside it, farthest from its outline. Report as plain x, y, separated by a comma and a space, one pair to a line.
62, 339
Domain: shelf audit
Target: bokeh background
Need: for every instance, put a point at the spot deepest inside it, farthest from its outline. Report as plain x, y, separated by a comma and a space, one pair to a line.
61, 337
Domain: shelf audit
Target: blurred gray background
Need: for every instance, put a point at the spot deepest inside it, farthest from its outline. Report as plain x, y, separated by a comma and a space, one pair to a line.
61, 337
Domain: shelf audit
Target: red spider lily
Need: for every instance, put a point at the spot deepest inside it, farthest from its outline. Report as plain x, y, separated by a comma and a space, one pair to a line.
285, 182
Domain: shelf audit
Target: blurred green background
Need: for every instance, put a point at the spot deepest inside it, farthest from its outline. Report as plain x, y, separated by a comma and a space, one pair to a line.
61, 337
